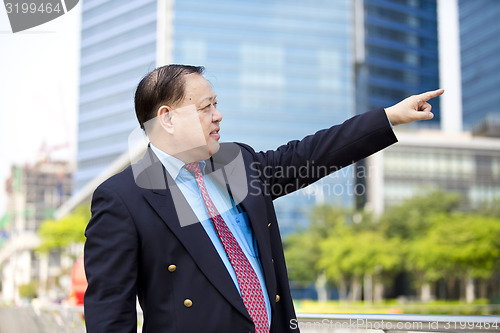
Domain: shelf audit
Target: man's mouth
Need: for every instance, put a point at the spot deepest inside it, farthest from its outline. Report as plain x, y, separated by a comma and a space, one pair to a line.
215, 133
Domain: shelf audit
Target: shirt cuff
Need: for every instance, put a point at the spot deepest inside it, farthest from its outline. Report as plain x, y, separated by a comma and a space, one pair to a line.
388, 119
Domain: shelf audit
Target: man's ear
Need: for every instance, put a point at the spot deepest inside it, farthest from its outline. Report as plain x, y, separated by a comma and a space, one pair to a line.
164, 115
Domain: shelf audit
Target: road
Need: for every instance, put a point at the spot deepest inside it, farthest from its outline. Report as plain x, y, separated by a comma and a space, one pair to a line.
53, 319
19, 320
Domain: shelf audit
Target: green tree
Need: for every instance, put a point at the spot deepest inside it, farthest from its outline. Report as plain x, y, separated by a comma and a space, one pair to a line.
360, 254
471, 244
59, 234
28, 290
427, 235
455, 246
302, 254
411, 218
491, 208
302, 249
411, 221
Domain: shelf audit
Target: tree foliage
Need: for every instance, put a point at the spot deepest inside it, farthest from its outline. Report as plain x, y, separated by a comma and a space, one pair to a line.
302, 254
355, 252
302, 249
429, 236
28, 290
459, 244
412, 217
59, 234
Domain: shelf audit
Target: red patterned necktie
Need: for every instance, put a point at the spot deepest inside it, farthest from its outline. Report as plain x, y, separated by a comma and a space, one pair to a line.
251, 291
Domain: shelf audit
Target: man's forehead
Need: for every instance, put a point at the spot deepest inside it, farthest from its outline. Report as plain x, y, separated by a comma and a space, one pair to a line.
198, 87
209, 98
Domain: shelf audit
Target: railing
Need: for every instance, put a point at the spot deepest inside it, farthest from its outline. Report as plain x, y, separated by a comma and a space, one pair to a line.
65, 319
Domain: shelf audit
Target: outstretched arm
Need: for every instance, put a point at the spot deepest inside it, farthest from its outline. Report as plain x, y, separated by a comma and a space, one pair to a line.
412, 108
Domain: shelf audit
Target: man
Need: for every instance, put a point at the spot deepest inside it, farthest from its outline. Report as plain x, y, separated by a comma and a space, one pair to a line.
191, 230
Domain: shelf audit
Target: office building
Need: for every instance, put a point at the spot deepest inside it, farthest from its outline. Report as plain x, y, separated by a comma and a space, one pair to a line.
460, 163
464, 162
480, 63
34, 193
396, 53
118, 46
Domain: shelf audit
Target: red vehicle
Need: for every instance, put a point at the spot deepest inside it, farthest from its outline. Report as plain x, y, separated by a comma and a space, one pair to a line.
78, 283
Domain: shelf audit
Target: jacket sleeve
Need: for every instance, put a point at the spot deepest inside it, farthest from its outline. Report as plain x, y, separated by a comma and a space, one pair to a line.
302, 162
110, 258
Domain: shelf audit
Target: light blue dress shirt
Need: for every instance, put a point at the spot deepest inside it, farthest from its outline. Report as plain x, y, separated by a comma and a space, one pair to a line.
236, 220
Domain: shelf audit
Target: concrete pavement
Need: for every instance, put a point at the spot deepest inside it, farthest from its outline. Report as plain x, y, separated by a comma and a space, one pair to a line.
19, 320
48, 319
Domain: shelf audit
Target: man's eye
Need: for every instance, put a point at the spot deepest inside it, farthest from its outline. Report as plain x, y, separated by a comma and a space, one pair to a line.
209, 105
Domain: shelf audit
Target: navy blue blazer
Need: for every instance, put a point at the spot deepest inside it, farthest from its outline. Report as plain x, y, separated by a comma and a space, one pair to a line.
139, 244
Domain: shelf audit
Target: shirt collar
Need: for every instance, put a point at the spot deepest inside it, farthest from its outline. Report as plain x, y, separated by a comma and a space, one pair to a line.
172, 164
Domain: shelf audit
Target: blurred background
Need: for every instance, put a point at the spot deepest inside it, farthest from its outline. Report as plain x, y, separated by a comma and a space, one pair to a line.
412, 229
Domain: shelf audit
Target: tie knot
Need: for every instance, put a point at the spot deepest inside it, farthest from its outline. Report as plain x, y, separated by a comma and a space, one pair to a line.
194, 167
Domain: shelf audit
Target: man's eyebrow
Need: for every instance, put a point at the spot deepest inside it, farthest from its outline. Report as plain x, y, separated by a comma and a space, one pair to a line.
209, 98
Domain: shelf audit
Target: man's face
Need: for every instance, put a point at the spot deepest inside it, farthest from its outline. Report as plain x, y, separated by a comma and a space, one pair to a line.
196, 120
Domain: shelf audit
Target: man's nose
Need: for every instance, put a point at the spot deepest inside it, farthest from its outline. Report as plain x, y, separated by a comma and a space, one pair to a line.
216, 115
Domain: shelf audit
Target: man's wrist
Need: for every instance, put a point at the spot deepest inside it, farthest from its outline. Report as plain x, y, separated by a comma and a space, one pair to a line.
388, 115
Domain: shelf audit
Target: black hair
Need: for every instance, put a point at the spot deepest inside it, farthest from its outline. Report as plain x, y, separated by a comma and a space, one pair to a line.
164, 85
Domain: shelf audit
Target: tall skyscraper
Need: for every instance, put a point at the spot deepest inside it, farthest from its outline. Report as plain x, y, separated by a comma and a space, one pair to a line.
118, 46
479, 30
396, 55
396, 52
282, 70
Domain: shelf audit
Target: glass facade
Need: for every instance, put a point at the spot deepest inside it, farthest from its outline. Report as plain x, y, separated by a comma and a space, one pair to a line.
401, 46
118, 46
479, 28
474, 172
281, 69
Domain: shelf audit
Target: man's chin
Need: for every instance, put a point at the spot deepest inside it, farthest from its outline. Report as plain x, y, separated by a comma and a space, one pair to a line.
200, 153
213, 147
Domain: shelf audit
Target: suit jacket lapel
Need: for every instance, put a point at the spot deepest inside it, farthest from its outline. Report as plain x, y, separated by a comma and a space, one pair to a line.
226, 167
192, 235
238, 175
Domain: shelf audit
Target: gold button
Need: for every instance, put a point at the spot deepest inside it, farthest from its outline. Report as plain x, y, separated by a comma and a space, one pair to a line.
277, 298
188, 303
272, 260
269, 225
172, 268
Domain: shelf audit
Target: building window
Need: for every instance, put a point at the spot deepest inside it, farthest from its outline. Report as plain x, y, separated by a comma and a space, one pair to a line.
262, 78
193, 52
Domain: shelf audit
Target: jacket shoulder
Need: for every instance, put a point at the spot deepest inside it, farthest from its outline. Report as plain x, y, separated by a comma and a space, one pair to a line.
118, 182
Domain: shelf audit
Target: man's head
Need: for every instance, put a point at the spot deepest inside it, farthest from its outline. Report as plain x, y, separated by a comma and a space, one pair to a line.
176, 106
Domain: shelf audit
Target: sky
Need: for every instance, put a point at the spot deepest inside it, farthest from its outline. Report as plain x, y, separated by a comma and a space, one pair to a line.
38, 91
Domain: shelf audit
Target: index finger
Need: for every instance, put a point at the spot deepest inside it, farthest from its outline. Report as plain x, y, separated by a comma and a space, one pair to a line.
431, 94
